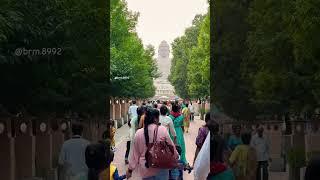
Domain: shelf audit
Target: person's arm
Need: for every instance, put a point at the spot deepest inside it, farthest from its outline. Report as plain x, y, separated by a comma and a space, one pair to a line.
172, 131
135, 156
195, 155
61, 162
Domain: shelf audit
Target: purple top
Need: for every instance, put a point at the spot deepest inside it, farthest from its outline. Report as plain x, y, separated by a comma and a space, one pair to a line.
202, 134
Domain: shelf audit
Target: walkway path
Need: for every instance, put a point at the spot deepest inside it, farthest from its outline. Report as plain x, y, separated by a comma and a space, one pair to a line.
190, 137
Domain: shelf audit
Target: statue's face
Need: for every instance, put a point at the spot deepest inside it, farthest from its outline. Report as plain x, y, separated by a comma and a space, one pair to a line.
164, 50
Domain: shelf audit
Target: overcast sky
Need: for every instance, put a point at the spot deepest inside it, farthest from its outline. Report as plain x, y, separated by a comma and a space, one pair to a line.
165, 19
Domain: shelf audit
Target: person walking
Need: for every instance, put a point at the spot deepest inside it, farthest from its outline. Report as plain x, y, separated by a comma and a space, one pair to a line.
132, 114
191, 109
202, 135
186, 115
143, 137
261, 144
99, 159
166, 121
244, 159
177, 119
135, 126
72, 155
235, 139
213, 168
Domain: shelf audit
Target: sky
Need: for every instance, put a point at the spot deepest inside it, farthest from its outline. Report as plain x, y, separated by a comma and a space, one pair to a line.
165, 19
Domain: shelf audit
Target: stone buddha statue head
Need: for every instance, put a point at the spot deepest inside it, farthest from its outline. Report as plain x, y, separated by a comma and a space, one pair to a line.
164, 50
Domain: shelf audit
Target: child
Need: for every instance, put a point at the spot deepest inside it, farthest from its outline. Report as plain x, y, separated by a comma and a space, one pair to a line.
177, 173
109, 134
99, 159
112, 134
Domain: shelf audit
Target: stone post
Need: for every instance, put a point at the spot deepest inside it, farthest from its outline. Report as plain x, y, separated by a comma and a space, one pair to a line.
7, 158
57, 139
24, 149
117, 116
43, 147
124, 111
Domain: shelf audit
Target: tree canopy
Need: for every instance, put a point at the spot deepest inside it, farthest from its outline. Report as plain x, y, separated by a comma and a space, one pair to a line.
266, 57
132, 65
76, 79
190, 63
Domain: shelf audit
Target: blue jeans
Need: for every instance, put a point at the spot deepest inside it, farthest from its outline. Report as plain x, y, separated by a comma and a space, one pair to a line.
163, 174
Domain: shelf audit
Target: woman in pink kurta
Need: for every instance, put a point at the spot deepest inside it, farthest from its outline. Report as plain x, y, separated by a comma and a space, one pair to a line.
137, 159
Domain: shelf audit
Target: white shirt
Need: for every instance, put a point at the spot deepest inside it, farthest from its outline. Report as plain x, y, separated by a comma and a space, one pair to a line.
73, 155
191, 108
133, 111
201, 167
261, 145
166, 121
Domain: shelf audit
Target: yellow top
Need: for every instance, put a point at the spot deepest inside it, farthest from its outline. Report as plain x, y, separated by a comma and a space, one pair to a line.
111, 170
244, 160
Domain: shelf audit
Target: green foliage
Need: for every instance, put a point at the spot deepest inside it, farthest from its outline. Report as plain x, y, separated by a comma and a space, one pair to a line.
190, 64
129, 59
230, 90
74, 80
266, 57
199, 64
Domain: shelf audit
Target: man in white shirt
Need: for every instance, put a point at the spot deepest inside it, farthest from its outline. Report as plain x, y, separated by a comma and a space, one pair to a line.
132, 113
72, 156
166, 121
133, 110
261, 144
191, 109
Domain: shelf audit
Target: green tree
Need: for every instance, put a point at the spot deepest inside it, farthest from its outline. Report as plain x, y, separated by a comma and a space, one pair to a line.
230, 91
182, 50
129, 59
198, 82
73, 80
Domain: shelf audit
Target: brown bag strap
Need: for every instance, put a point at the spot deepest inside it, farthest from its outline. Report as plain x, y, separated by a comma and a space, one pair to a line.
155, 134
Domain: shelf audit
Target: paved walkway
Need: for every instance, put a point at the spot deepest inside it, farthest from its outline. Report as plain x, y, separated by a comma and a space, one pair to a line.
121, 138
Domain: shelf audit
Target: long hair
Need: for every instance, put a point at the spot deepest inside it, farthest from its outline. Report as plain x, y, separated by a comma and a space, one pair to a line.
98, 157
141, 111
175, 108
216, 142
151, 115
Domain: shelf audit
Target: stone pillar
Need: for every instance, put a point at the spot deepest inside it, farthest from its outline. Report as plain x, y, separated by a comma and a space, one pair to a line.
124, 111
7, 158
117, 116
57, 139
312, 139
111, 110
43, 148
298, 134
24, 149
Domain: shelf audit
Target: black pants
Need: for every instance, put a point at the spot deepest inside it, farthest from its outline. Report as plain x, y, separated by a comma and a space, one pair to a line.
191, 116
128, 150
262, 168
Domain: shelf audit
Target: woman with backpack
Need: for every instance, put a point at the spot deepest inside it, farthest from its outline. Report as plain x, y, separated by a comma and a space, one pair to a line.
147, 148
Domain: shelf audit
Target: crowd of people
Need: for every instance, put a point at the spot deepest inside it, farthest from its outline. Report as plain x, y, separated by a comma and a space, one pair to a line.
156, 149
